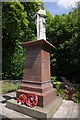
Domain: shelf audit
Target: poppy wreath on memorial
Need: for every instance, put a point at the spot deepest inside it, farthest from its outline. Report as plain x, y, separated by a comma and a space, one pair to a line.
22, 99
32, 99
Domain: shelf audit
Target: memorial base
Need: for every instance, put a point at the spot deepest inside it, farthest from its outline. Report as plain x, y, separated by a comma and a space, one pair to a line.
36, 112
37, 73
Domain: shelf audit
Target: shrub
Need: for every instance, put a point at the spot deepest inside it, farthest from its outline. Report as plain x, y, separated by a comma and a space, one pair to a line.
58, 85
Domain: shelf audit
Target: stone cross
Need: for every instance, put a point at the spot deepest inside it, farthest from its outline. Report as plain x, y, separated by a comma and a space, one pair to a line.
40, 23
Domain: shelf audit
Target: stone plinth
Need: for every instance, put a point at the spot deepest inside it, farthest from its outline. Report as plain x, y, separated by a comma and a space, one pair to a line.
36, 112
37, 72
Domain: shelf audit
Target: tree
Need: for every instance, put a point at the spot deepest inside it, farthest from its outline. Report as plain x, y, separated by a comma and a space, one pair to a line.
64, 34
17, 26
13, 18
62, 31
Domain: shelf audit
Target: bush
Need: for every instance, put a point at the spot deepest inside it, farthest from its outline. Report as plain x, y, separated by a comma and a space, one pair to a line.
58, 85
67, 90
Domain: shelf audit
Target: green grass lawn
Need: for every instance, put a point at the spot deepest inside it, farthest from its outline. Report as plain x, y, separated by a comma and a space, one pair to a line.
8, 86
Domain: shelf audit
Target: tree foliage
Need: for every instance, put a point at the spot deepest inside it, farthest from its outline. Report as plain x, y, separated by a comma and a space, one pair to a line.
17, 27
62, 31
64, 34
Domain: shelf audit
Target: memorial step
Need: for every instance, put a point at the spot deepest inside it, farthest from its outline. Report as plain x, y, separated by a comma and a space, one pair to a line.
35, 112
37, 88
46, 97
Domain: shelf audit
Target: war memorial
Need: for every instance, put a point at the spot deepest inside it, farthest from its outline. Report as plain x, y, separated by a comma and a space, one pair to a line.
36, 96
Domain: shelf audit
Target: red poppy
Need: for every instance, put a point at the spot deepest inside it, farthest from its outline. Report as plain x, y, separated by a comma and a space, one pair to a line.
22, 99
32, 100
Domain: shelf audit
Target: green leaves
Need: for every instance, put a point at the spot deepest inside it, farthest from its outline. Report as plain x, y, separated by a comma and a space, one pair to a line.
17, 27
14, 17
64, 33
14, 21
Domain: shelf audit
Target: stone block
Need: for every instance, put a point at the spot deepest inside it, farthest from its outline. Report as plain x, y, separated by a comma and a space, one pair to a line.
36, 112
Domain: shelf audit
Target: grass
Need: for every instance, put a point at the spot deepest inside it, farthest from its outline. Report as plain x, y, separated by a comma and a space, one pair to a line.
8, 86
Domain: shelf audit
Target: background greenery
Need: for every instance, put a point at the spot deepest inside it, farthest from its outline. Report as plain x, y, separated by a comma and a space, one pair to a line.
63, 31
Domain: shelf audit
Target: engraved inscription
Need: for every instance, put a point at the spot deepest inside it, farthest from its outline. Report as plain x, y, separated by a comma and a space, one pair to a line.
32, 65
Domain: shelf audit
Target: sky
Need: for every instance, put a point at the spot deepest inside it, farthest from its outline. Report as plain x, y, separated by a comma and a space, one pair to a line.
59, 6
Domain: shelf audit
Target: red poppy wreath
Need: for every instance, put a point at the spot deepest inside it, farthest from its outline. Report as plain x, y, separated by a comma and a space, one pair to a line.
32, 100
22, 99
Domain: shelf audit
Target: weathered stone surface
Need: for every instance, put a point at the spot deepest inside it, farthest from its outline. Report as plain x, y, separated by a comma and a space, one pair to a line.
35, 112
37, 72
68, 109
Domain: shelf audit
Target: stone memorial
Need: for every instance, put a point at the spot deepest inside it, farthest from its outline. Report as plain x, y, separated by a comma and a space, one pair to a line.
37, 75
37, 72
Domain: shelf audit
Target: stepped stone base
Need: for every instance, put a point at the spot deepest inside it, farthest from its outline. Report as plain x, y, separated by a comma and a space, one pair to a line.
43, 98
36, 112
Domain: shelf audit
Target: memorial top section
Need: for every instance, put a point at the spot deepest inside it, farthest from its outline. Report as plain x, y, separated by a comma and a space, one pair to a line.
38, 43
